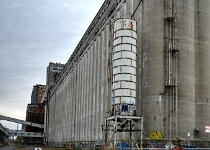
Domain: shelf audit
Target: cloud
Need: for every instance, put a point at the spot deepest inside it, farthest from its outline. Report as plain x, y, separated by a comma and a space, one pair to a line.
32, 34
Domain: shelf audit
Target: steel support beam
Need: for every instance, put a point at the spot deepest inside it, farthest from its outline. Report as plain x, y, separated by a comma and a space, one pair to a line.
21, 121
26, 134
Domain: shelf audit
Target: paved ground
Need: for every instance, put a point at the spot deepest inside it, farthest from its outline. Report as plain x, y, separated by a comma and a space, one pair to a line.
8, 147
13, 147
27, 147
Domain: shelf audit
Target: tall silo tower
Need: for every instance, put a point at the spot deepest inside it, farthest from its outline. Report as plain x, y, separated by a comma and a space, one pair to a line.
172, 76
202, 66
173, 67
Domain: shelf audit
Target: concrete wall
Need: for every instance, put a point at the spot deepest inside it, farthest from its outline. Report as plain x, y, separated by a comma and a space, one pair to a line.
77, 107
78, 102
202, 66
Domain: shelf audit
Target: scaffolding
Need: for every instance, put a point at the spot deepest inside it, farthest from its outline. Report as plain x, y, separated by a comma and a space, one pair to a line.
118, 123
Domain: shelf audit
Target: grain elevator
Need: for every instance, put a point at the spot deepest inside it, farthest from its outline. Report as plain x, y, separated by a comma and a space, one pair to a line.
149, 57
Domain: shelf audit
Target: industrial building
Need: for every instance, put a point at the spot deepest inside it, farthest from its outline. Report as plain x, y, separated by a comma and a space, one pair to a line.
53, 73
35, 110
37, 93
35, 114
166, 47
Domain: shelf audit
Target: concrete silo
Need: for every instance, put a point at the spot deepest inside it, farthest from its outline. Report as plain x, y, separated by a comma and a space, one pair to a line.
172, 72
202, 66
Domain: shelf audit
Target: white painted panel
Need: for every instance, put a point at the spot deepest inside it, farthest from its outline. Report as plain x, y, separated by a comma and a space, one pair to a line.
117, 70
124, 69
129, 40
125, 62
125, 40
124, 77
133, 48
125, 92
134, 63
117, 100
124, 84
117, 55
128, 69
127, 54
124, 54
125, 33
121, 47
117, 41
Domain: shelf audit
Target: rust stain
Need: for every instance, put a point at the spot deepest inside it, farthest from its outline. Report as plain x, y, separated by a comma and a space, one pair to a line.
131, 26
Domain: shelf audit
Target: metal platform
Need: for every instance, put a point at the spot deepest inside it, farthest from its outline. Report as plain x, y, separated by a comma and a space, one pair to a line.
26, 134
119, 123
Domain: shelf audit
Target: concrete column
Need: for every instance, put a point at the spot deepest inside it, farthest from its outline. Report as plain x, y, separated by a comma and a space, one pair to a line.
152, 61
74, 104
99, 87
138, 18
69, 107
80, 100
85, 96
92, 95
102, 75
108, 84
94, 90
88, 93
202, 67
186, 104
129, 8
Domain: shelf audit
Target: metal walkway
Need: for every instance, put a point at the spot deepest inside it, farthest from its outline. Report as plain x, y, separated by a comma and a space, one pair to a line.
21, 121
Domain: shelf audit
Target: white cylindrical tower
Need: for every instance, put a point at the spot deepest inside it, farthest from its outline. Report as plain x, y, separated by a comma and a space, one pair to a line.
124, 67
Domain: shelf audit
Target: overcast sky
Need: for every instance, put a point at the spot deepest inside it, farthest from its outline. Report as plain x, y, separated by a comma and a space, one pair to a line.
32, 34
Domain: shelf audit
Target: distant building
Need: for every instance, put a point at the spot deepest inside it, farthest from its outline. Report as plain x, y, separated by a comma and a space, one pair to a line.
37, 93
35, 114
35, 110
53, 72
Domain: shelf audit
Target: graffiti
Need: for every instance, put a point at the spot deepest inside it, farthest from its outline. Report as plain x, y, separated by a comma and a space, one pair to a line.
156, 135
131, 25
